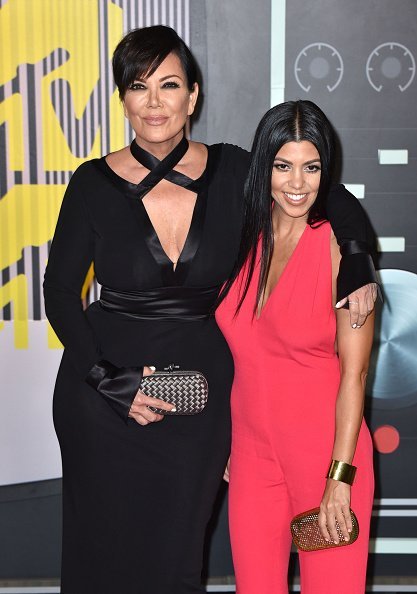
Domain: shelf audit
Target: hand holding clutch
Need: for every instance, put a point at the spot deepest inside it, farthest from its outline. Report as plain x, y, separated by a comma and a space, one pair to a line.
307, 536
186, 390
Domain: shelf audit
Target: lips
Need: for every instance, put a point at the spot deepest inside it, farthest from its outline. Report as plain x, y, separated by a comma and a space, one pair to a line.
295, 198
156, 120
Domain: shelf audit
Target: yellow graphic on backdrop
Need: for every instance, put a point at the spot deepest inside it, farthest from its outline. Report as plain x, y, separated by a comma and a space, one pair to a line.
28, 216
16, 293
59, 43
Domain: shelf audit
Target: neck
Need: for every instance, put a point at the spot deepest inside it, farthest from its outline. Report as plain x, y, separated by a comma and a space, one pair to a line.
284, 225
160, 149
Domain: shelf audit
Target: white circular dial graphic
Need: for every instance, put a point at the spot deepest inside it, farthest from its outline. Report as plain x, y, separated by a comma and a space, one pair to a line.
318, 63
390, 64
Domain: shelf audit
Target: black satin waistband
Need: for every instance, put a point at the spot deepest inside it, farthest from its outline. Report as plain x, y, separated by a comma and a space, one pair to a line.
164, 303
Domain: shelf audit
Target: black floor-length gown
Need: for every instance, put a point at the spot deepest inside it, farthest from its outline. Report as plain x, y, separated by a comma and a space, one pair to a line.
136, 500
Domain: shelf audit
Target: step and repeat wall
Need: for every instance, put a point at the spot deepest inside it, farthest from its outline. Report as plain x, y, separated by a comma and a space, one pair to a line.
58, 107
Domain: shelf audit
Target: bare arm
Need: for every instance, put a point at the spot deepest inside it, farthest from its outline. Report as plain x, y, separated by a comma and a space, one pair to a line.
354, 348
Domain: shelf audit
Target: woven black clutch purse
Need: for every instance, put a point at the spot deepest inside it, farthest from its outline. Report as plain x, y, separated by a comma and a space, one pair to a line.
187, 390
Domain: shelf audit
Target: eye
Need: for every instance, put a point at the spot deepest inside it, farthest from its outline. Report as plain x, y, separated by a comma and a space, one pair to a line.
281, 166
313, 168
137, 86
170, 85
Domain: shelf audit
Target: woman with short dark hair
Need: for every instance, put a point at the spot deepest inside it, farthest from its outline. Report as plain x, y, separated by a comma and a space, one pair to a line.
161, 221
300, 370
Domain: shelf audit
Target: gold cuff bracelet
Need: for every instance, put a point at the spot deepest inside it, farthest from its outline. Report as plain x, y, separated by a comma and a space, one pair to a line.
341, 471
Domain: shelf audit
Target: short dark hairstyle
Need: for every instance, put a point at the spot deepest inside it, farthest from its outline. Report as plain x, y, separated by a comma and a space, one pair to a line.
142, 51
288, 122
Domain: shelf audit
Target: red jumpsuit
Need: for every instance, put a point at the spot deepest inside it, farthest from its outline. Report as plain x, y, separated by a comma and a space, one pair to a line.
283, 426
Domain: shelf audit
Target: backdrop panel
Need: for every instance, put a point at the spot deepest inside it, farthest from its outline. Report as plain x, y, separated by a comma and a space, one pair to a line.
357, 61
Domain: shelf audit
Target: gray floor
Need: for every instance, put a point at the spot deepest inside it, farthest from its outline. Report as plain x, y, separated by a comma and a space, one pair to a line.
387, 585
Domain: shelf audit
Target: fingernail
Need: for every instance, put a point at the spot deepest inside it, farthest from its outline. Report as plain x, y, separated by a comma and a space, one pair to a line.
346, 538
338, 304
152, 368
173, 409
349, 529
353, 325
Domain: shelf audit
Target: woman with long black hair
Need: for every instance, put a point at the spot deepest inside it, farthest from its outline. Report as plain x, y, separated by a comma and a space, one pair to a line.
300, 369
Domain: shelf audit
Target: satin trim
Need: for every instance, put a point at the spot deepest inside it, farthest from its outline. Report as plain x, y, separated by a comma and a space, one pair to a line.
156, 167
164, 303
356, 270
351, 247
169, 276
159, 170
118, 385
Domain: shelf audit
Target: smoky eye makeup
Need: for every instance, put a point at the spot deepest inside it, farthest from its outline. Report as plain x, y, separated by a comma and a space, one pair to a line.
281, 166
313, 167
171, 84
136, 85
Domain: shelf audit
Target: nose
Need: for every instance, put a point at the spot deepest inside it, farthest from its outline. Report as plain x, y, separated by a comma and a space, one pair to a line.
296, 180
153, 98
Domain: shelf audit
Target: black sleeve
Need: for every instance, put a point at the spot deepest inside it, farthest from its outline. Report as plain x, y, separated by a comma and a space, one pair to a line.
69, 260
356, 239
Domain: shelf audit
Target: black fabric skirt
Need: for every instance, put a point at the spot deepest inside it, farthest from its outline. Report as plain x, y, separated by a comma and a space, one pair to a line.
136, 500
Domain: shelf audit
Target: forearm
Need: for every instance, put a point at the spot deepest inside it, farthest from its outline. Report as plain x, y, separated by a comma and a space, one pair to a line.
349, 415
354, 350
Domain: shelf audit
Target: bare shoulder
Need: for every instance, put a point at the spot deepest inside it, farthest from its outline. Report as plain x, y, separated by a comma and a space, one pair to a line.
198, 151
195, 161
118, 158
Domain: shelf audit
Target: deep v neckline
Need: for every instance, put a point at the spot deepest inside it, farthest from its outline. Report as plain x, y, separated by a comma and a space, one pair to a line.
287, 266
165, 170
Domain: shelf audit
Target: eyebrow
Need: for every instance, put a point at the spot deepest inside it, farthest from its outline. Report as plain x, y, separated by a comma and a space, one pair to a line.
161, 79
290, 163
170, 76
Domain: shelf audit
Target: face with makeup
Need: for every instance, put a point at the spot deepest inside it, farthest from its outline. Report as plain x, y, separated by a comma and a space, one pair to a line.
296, 178
158, 106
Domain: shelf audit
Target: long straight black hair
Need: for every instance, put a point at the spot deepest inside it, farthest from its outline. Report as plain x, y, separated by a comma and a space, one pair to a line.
292, 121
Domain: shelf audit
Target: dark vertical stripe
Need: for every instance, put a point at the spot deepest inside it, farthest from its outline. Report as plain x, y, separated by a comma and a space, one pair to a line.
18, 177
66, 93
77, 125
36, 278
129, 15
16, 84
99, 83
92, 116
3, 160
2, 93
7, 308
106, 76
60, 101
85, 123
31, 110
21, 266
45, 66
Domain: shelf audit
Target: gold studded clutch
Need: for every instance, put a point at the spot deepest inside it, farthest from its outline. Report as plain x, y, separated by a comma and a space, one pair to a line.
307, 536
